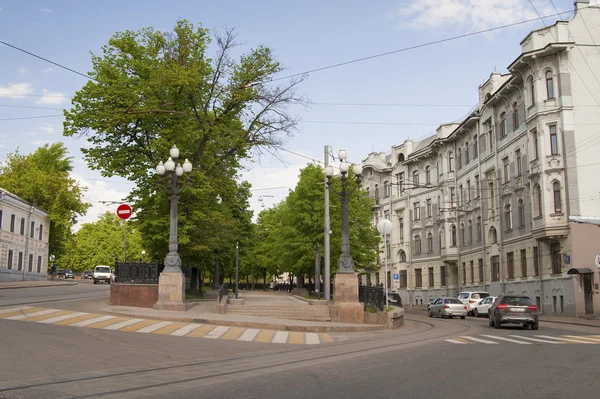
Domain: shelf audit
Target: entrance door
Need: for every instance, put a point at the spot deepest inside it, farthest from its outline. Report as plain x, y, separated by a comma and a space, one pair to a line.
587, 292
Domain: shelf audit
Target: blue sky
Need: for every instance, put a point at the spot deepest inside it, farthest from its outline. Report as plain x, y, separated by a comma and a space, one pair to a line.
304, 35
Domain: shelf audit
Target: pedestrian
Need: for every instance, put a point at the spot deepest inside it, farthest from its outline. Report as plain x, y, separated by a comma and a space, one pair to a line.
53, 271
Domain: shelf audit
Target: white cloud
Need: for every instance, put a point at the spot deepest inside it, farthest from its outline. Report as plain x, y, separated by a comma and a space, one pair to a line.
48, 128
40, 142
16, 90
48, 70
52, 98
468, 14
45, 10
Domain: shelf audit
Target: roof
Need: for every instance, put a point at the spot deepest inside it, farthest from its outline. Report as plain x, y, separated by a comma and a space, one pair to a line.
585, 219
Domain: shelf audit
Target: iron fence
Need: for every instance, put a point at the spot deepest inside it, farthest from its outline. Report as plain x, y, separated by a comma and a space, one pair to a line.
371, 295
137, 272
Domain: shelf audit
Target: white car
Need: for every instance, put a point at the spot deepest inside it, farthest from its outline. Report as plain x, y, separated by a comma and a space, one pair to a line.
102, 273
483, 306
470, 298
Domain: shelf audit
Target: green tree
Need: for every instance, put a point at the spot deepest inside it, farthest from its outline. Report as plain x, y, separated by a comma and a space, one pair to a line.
43, 179
153, 89
100, 243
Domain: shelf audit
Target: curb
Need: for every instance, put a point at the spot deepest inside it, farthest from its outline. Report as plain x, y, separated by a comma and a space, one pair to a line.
258, 324
15, 287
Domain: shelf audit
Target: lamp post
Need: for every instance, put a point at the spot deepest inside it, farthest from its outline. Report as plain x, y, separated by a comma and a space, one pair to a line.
143, 253
171, 285
384, 226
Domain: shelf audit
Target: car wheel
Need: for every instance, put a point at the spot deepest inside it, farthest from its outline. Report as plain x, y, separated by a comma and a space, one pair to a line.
440, 315
429, 313
95, 282
490, 321
497, 323
475, 312
535, 326
462, 317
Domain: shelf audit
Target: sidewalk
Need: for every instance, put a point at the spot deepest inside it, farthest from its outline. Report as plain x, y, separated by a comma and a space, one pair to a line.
8, 285
543, 318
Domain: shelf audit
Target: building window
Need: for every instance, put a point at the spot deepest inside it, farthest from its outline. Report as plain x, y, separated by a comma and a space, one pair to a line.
503, 125
429, 212
401, 181
401, 227
462, 234
400, 158
468, 190
493, 235
450, 161
549, 85
453, 236
0, 219
431, 280
495, 262
442, 238
478, 228
415, 179
536, 145
9, 265
443, 276
480, 270
428, 175
508, 217
430, 242
523, 263
12, 223
438, 168
464, 273
402, 278
41, 232
519, 161
31, 229
491, 134
555, 255
531, 85
467, 159
510, 264
475, 148
459, 159
476, 186
461, 195
39, 264
505, 170
376, 193
30, 264
402, 256
417, 245
452, 197
472, 271
387, 188
553, 140
536, 262
482, 143
418, 278
470, 231
22, 230
492, 196
515, 116
537, 200
20, 261
417, 210
521, 207
556, 191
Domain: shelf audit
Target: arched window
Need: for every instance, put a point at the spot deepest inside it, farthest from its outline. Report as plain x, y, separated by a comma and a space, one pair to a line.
387, 189
417, 249
462, 234
557, 204
429, 242
400, 157
549, 85
376, 192
508, 217
459, 159
478, 228
521, 207
450, 162
537, 200
470, 231
428, 174
531, 87
515, 116
467, 159
493, 236
415, 181
402, 256
453, 236
475, 147
503, 125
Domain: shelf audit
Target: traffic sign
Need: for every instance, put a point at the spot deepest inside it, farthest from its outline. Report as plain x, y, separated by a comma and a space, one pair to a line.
396, 277
124, 211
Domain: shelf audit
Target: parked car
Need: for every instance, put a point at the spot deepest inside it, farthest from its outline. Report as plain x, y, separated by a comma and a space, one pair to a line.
482, 307
470, 298
65, 273
88, 274
394, 299
431, 301
447, 307
102, 273
513, 309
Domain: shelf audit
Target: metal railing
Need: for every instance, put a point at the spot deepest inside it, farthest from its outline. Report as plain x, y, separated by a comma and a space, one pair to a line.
371, 295
137, 273
222, 292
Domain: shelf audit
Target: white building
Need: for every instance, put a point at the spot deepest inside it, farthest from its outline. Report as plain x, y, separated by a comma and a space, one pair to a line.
24, 232
485, 203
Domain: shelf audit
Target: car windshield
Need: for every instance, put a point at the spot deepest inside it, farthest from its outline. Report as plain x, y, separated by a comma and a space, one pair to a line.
464, 295
103, 269
483, 294
516, 301
453, 300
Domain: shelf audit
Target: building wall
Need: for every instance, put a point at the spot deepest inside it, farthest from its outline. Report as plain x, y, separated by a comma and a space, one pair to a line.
19, 246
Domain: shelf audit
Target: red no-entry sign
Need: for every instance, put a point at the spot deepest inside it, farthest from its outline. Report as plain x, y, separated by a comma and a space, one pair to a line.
124, 211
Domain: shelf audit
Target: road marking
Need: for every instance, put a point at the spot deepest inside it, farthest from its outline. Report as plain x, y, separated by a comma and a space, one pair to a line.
587, 339
63, 317
249, 335
280, 337
19, 312
325, 338
138, 326
201, 331
233, 334
564, 339
507, 339
122, 324
108, 322
69, 322
312, 339
34, 314
185, 330
217, 332
265, 336
593, 337
456, 341
14, 309
170, 328
154, 327
296, 338
482, 341
88, 322
545, 341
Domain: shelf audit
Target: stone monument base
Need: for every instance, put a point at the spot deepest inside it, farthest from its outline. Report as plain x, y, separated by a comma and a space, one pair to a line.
303, 292
346, 308
171, 291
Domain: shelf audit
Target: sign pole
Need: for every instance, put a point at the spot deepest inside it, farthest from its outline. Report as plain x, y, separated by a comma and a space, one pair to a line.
124, 240
124, 212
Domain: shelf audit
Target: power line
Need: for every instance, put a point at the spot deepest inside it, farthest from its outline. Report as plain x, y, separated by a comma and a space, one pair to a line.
30, 107
30, 117
389, 105
47, 60
448, 39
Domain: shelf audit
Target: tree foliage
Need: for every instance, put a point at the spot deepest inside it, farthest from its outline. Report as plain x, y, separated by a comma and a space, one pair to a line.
43, 179
100, 243
153, 89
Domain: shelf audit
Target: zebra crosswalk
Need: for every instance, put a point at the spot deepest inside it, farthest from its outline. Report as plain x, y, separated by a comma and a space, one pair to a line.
525, 340
171, 328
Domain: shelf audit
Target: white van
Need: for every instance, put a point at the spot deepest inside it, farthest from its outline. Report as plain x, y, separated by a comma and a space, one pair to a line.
102, 273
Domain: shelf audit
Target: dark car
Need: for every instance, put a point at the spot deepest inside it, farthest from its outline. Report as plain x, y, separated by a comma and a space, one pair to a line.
513, 309
88, 274
65, 273
394, 299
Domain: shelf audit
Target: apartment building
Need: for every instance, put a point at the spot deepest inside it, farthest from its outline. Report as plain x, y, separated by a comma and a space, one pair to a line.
24, 233
484, 204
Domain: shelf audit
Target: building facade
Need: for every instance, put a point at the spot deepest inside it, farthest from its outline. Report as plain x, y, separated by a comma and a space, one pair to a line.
24, 233
484, 204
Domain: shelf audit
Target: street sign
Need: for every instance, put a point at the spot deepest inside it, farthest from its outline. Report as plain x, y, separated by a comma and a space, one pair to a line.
124, 211
396, 277
597, 260
396, 284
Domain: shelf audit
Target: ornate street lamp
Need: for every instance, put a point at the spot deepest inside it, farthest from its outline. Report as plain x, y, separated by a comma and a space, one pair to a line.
171, 285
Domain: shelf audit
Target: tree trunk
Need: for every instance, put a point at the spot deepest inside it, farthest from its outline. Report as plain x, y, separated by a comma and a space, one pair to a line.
194, 281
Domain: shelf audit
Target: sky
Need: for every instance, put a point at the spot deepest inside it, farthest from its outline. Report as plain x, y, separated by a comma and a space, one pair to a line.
362, 107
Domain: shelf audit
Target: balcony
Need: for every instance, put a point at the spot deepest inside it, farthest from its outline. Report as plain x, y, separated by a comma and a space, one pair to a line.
541, 38
449, 254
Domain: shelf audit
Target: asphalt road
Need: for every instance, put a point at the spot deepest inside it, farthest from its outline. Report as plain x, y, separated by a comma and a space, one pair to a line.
85, 289
52, 361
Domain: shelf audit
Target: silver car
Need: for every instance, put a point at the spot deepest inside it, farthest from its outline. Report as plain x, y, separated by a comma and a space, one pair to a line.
513, 309
447, 307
